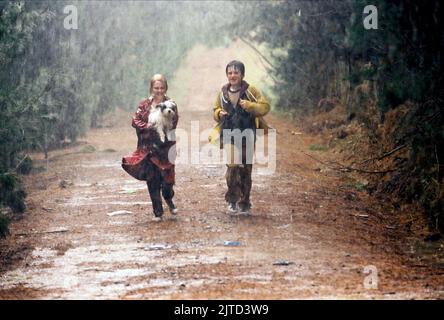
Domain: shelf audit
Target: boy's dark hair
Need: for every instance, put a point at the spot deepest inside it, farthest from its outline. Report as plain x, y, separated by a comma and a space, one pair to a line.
237, 65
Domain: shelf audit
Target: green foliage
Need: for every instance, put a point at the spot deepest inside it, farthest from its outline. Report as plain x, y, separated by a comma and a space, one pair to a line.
4, 222
11, 193
406, 50
423, 132
25, 165
313, 37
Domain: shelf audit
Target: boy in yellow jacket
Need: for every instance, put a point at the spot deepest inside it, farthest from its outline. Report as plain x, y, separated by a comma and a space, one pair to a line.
238, 106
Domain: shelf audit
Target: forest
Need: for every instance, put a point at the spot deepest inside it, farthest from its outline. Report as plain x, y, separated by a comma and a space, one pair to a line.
57, 83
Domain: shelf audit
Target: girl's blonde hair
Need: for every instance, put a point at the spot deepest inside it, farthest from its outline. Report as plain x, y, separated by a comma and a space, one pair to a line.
158, 77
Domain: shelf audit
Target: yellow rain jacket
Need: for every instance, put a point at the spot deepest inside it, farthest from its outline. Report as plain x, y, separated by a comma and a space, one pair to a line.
257, 105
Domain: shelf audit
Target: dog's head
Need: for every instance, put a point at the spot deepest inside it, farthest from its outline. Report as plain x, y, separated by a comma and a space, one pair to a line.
167, 108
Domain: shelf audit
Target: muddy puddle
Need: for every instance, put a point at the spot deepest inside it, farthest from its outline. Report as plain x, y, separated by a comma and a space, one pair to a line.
107, 271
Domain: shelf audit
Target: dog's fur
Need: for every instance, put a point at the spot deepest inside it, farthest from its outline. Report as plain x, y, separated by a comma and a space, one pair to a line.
162, 118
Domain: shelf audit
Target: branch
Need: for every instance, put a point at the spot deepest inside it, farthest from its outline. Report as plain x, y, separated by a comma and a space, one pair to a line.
346, 168
257, 51
21, 162
385, 154
269, 74
263, 57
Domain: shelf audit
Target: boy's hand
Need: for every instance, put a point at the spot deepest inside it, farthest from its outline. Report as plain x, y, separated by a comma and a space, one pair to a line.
222, 114
243, 103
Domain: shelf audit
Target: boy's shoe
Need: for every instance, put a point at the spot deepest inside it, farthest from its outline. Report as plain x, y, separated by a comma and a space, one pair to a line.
157, 219
244, 209
232, 207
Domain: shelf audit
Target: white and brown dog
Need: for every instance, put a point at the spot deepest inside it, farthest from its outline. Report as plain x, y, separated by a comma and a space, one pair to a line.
162, 118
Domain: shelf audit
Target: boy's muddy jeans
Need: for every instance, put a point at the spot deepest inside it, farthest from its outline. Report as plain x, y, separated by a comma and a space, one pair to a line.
239, 184
239, 179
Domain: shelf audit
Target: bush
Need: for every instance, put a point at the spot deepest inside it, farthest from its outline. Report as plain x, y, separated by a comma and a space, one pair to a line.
11, 193
4, 222
25, 165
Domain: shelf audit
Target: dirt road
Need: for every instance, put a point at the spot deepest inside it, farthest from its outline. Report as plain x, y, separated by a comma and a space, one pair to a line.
89, 234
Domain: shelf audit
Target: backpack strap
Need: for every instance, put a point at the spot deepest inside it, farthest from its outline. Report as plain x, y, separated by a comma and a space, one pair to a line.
252, 95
